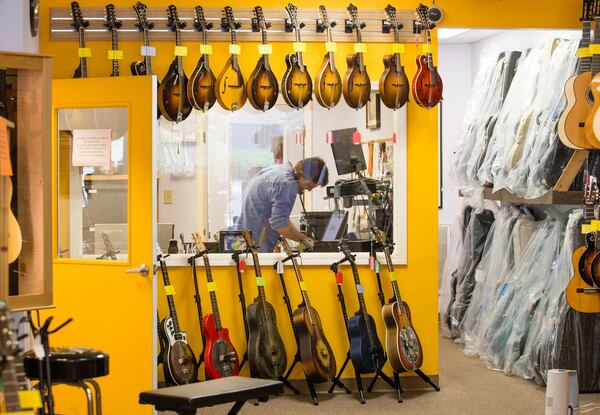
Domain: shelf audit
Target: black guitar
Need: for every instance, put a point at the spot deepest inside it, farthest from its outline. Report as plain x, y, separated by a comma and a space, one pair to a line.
179, 362
113, 25
80, 25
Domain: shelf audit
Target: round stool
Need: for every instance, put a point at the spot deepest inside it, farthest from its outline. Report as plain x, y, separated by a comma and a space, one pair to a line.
73, 366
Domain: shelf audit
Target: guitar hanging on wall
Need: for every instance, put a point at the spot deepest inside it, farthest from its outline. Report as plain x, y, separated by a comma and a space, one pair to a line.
357, 84
393, 84
328, 81
202, 84
113, 25
231, 90
427, 86
80, 25
296, 84
12, 364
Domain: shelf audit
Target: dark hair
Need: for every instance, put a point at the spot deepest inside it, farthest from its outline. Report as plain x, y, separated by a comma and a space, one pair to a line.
313, 169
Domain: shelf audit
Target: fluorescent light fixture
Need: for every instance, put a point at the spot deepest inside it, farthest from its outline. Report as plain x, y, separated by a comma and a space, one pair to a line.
444, 33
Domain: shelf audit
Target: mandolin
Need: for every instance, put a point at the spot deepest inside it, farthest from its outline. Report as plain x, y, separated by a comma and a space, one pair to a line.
172, 98
263, 88
266, 351
401, 341
80, 25
357, 84
202, 84
315, 352
393, 84
220, 357
296, 85
231, 90
113, 25
592, 122
427, 86
366, 351
328, 90
179, 362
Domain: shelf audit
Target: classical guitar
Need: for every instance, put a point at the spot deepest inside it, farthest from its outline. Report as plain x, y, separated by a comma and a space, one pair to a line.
315, 352
266, 351
80, 25
427, 86
401, 341
357, 84
328, 89
202, 84
172, 98
393, 84
262, 85
366, 351
220, 358
592, 122
13, 375
296, 84
113, 25
231, 89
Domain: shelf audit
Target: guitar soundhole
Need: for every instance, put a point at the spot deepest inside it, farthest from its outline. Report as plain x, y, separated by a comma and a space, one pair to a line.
409, 344
589, 96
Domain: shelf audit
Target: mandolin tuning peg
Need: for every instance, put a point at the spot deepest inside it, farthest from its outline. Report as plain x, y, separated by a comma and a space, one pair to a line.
237, 25
363, 25
333, 23
385, 26
301, 25
209, 26
320, 26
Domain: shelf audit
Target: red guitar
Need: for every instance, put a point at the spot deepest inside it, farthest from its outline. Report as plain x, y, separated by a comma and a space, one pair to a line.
220, 358
427, 84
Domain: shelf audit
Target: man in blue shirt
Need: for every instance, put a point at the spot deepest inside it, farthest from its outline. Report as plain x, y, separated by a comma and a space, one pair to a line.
270, 196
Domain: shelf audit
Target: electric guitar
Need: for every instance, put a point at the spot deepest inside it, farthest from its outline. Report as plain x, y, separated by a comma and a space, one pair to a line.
179, 362
296, 84
202, 84
220, 358
357, 84
13, 374
393, 84
80, 25
262, 85
366, 351
266, 351
328, 82
401, 341
172, 98
427, 86
315, 352
113, 25
231, 90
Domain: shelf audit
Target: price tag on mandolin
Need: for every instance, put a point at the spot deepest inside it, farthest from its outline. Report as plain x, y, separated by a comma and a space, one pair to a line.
584, 53
331, 46
180, 51
299, 47
19, 412
393, 276
206, 49
360, 289
85, 52
170, 289
115, 55
398, 48
30, 399
360, 48
426, 48
265, 49
235, 49
302, 285
260, 281
148, 51
212, 287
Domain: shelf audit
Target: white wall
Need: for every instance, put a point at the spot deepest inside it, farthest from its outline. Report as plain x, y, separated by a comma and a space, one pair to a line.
15, 34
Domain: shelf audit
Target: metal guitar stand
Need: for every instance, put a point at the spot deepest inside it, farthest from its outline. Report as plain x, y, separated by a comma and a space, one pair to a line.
242, 297
192, 262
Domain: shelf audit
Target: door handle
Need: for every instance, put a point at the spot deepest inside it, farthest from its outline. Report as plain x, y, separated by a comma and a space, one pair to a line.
142, 270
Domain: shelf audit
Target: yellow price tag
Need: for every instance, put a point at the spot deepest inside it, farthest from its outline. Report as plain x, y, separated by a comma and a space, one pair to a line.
18, 413
331, 46
206, 49
235, 49
85, 52
426, 48
30, 399
583, 52
170, 289
115, 54
180, 50
265, 49
398, 48
595, 49
260, 281
360, 48
393, 276
586, 229
212, 286
299, 47
302, 285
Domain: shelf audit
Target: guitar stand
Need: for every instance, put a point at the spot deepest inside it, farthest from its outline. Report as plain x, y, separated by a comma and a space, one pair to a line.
192, 262
242, 297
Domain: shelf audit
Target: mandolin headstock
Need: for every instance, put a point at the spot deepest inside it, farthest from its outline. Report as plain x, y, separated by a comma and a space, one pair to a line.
173, 22
422, 11
587, 12
78, 22
356, 23
260, 18
390, 12
229, 22
110, 16
292, 12
141, 12
327, 24
200, 23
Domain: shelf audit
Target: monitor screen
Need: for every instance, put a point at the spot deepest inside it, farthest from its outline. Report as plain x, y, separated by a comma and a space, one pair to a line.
345, 152
335, 226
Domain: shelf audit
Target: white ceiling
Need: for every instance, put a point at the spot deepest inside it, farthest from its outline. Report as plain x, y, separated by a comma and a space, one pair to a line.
465, 35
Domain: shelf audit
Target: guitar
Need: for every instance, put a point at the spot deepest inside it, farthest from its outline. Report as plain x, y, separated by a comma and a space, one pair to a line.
296, 84
357, 84
366, 351
202, 84
328, 82
231, 90
172, 98
592, 122
13, 375
80, 25
401, 340
179, 362
393, 84
220, 358
316, 355
266, 351
262, 86
427, 86
113, 25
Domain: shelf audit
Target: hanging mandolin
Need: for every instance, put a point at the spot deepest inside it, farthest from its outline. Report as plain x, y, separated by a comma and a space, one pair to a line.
427, 86
231, 90
328, 90
296, 85
202, 83
357, 84
393, 85
80, 25
113, 25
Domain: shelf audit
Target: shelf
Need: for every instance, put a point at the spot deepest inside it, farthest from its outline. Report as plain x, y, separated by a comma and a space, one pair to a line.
552, 197
105, 177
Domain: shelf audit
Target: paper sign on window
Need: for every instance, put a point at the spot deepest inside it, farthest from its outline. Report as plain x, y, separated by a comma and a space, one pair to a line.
91, 148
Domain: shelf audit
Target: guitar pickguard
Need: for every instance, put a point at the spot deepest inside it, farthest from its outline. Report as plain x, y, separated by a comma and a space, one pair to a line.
172, 335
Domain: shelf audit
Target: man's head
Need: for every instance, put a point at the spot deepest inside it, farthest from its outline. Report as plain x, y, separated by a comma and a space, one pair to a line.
311, 172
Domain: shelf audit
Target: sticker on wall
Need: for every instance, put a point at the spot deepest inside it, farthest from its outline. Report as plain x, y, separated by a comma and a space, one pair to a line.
91, 148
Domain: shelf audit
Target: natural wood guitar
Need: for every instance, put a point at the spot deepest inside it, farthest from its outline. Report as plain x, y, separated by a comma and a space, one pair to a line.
328, 81
393, 84
296, 85
201, 87
357, 84
231, 89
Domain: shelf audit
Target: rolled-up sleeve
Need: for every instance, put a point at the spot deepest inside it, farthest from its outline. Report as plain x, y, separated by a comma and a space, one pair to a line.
283, 197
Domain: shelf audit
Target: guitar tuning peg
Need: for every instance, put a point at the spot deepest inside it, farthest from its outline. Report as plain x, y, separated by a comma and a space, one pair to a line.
333, 23
301, 25
237, 25
363, 25
209, 26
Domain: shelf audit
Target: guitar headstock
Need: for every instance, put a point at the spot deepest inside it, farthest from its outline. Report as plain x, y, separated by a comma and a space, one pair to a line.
260, 18
200, 22
173, 22
353, 13
327, 24
248, 238
200, 247
229, 22
78, 22
587, 11
110, 16
591, 192
422, 13
292, 12
344, 249
141, 12
379, 237
390, 12
9, 346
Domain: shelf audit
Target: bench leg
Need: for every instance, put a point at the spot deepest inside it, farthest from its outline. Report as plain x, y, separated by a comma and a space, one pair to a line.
88, 395
236, 407
96, 388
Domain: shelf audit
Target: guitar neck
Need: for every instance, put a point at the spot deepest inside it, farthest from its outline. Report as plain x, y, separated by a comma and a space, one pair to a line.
299, 54
361, 300
589, 213
115, 46
170, 301
179, 58
213, 295
10, 385
390, 267
147, 58
261, 289
266, 55
585, 64
331, 54
429, 55
359, 55
205, 56
596, 41
234, 57
82, 60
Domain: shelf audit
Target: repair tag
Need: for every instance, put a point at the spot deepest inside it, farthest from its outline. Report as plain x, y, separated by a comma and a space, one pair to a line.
170, 289
212, 286
115, 55
85, 52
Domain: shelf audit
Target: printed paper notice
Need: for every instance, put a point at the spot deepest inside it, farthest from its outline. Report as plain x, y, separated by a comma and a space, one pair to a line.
91, 148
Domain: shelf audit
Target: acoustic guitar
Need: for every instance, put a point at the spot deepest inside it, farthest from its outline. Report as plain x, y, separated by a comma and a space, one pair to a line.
231, 90
202, 84
393, 84
113, 25
80, 25
172, 98
266, 351
592, 122
296, 84
315, 352
263, 88
427, 86
179, 362
357, 84
328, 82
220, 358
401, 340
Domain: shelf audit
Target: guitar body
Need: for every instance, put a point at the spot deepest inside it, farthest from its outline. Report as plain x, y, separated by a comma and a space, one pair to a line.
171, 91
220, 357
366, 357
328, 82
393, 84
592, 123
201, 87
427, 86
15, 237
296, 85
357, 85
571, 124
266, 351
315, 352
584, 264
231, 92
263, 88
401, 341
582, 302
179, 363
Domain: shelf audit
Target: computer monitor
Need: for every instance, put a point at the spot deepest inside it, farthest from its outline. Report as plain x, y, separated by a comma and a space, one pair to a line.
336, 226
348, 156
